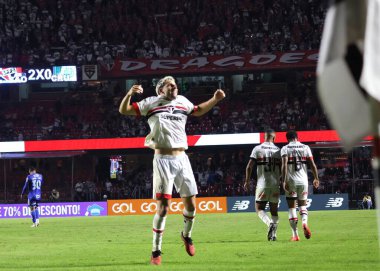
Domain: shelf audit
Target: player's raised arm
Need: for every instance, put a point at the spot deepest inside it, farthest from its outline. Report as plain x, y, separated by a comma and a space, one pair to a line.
125, 107
204, 107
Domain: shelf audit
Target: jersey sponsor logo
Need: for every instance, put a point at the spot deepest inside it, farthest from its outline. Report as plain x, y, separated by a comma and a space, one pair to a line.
334, 202
169, 117
296, 147
241, 205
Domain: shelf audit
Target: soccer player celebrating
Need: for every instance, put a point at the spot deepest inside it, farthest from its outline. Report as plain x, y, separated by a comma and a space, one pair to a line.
33, 182
267, 158
295, 157
167, 115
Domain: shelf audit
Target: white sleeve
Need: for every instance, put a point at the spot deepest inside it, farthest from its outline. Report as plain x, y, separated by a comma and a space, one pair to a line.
144, 105
308, 152
253, 153
189, 105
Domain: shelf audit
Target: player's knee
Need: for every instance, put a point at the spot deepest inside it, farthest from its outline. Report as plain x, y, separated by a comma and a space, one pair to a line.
190, 207
163, 210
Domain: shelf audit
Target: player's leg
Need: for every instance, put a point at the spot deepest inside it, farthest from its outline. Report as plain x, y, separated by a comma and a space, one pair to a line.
162, 192
188, 218
273, 205
302, 191
187, 188
274, 212
159, 221
37, 212
262, 197
260, 211
33, 213
188, 215
32, 206
291, 197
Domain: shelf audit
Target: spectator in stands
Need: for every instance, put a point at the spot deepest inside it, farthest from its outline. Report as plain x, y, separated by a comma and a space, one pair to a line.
367, 201
78, 196
54, 195
108, 186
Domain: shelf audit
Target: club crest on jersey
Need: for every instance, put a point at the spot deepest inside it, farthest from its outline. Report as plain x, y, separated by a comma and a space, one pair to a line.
170, 109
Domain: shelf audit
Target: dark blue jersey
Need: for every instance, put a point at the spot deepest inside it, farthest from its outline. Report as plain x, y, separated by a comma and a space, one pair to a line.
33, 183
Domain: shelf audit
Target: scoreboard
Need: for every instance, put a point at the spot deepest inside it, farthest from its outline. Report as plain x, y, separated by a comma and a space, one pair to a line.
50, 74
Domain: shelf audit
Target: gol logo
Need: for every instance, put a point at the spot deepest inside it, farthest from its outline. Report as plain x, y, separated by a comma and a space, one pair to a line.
176, 206
210, 206
149, 207
123, 208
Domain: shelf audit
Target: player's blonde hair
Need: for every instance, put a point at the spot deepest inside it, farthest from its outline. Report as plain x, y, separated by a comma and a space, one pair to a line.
162, 82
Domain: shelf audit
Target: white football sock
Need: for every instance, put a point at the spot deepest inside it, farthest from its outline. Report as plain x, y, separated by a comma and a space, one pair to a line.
293, 220
189, 218
304, 214
264, 217
158, 230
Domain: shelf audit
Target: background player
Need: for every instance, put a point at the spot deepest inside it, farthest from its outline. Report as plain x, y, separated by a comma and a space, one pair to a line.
167, 115
295, 157
33, 182
267, 158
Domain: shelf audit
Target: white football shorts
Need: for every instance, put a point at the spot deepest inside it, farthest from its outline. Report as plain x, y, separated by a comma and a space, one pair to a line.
299, 192
271, 194
169, 170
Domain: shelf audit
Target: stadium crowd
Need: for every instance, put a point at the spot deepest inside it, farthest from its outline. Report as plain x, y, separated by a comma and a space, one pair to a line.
35, 32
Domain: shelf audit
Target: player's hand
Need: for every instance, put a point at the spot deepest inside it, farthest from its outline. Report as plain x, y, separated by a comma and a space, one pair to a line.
246, 186
20, 196
219, 95
135, 89
316, 183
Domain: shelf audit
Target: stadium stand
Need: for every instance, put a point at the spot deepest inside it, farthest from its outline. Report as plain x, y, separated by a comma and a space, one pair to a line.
62, 32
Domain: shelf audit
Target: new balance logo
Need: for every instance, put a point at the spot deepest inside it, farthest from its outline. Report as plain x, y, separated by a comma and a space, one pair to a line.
334, 202
241, 205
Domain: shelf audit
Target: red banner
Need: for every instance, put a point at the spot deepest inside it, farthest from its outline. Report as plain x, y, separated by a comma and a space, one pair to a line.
209, 64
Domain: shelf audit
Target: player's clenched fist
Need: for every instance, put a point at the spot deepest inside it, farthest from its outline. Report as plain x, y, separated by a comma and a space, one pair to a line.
219, 95
135, 89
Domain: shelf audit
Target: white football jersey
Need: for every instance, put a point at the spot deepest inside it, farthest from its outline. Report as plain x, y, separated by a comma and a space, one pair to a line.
298, 155
268, 163
167, 121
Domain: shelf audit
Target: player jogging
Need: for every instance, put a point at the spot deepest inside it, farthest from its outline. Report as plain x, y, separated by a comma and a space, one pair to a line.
33, 182
295, 157
267, 158
167, 114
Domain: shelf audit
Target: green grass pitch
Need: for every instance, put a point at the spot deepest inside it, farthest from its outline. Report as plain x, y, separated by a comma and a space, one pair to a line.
341, 240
